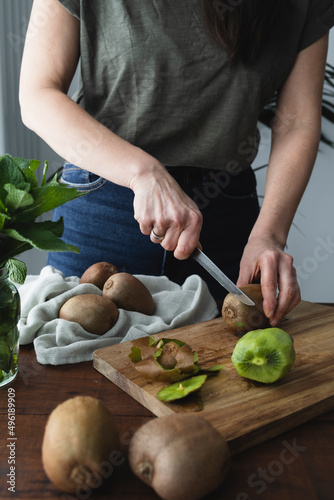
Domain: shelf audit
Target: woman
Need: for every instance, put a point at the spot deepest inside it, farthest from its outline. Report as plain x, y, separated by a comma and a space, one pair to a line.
164, 129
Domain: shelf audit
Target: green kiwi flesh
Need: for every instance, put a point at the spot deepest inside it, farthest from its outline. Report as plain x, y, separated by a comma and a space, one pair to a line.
264, 355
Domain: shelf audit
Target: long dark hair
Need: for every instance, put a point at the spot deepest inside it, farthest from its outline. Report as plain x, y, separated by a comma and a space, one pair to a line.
241, 26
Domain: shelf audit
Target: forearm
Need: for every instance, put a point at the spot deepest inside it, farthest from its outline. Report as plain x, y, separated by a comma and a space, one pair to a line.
295, 142
290, 166
80, 139
289, 169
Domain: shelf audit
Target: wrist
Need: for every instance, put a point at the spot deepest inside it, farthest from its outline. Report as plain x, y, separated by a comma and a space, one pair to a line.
272, 233
145, 166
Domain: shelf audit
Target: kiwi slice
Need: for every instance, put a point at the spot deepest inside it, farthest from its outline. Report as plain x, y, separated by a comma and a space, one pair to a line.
181, 389
264, 355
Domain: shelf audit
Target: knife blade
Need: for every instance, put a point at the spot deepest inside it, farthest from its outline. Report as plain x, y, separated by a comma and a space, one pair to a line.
219, 276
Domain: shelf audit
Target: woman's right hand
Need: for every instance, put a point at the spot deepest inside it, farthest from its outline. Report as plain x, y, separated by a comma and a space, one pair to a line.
160, 204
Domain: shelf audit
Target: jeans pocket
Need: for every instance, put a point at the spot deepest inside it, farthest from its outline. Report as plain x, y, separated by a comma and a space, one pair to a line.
82, 180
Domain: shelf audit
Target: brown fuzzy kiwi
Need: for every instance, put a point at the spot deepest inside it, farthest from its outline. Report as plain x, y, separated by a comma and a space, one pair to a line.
98, 273
181, 456
95, 313
242, 318
79, 438
129, 293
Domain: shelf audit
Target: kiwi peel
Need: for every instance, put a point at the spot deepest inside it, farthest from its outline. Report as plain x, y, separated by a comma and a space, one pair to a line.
264, 355
164, 360
170, 361
181, 389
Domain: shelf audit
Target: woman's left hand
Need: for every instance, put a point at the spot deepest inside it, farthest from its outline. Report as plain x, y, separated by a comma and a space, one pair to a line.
265, 259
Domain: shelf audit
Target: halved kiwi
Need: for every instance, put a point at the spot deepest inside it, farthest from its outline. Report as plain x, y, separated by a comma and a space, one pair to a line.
264, 355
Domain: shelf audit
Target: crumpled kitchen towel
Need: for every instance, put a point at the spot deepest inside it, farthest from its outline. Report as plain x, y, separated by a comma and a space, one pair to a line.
57, 341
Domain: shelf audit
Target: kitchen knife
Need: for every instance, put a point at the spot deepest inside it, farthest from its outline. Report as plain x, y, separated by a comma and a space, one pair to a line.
219, 276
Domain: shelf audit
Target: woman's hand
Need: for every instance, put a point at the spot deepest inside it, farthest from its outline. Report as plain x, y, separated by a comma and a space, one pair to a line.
160, 204
265, 258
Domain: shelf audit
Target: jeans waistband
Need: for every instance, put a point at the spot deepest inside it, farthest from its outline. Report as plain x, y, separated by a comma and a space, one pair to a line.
231, 183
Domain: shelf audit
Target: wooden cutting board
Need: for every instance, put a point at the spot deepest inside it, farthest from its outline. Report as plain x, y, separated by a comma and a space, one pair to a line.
244, 412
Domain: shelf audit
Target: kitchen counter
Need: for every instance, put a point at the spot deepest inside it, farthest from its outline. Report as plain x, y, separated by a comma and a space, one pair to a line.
296, 465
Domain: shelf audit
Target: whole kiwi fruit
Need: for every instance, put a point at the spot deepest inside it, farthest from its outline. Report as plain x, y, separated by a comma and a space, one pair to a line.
242, 318
98, 273
95, 313
79, 438
129, 293
181, 456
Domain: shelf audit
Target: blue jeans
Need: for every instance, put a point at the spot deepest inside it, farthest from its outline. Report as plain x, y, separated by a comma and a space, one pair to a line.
102, 225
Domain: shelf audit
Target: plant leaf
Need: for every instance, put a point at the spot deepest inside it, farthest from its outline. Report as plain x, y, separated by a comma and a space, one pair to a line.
10, 248
22, 201
24, 164
46, 166
47, 198
5, 355
17, 198
28, 167
40, 235
17, 270
54, 180
10, 174
3, 214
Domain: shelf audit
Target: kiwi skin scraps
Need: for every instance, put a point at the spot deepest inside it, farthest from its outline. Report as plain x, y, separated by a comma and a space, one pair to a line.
170, 361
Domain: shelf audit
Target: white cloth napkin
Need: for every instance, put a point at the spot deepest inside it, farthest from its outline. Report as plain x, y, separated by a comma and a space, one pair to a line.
57, 341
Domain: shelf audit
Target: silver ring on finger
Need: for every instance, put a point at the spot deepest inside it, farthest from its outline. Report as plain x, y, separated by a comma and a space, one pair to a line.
156, 237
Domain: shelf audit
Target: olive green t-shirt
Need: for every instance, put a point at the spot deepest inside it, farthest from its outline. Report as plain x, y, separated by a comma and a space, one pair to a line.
151, 73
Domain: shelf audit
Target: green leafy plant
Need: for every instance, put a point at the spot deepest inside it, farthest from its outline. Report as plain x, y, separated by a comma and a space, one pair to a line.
22, 201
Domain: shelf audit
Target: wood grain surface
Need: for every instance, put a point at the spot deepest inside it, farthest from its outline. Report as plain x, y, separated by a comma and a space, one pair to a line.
295, 465
246, 413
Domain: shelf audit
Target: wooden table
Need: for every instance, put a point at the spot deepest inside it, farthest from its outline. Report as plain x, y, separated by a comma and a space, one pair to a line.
297, 465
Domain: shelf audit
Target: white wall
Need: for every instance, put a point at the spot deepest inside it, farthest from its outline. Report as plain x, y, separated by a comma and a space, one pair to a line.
311, 239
